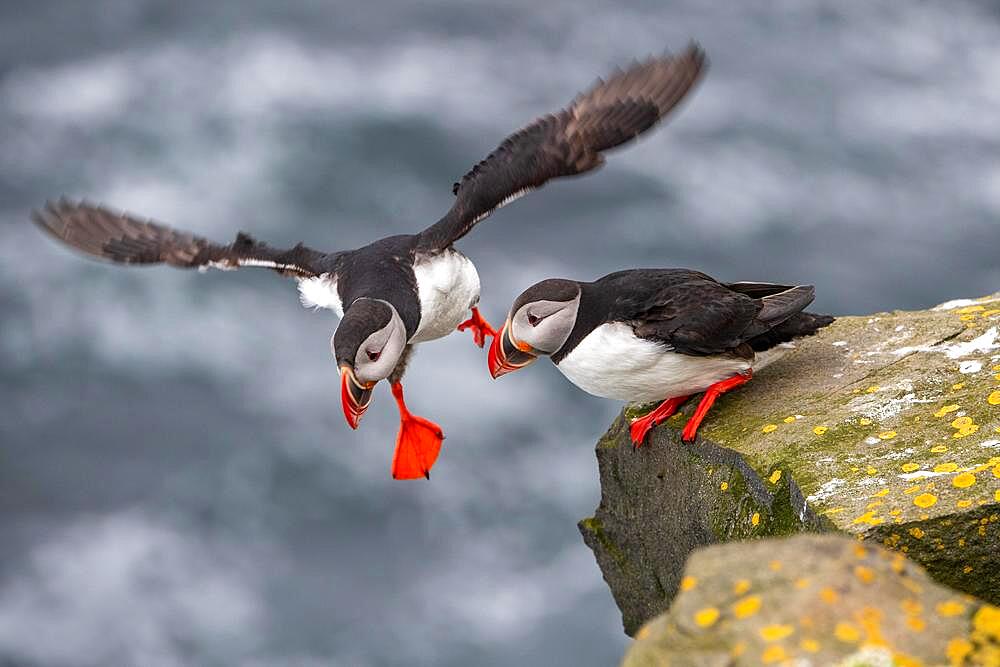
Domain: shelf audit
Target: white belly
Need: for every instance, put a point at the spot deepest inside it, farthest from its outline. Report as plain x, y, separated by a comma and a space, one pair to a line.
611, 362
448, 286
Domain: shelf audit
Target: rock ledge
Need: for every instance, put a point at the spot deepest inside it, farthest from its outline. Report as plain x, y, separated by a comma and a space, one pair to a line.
885, 427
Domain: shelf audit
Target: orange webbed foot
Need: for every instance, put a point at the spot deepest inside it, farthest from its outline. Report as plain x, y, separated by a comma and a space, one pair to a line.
418, 442
690, 431
480, 327
639, 429
641, 426
417, 447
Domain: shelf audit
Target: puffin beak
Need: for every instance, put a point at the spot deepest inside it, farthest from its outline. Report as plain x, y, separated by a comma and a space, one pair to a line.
354, 395
507, 355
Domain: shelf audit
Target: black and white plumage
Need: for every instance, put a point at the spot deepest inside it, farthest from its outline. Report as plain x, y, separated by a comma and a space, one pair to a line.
423, 285
647, 335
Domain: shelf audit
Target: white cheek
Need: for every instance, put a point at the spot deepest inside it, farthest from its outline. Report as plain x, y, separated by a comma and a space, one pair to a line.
372, 371
524, 333
543, 336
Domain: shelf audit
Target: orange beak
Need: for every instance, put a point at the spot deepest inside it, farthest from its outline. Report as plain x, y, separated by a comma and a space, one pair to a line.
507, 355
354, 395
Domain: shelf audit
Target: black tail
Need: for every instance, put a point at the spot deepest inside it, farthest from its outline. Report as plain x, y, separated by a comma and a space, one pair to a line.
796, 326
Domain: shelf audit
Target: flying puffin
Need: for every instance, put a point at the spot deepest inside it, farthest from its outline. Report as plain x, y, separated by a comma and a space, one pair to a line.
645, 335
407, 289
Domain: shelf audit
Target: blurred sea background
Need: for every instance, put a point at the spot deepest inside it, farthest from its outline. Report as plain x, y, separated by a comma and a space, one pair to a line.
177, 483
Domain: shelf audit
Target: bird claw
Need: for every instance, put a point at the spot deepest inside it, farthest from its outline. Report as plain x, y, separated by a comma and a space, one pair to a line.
641, 426
690, 432
480, 328
639, 429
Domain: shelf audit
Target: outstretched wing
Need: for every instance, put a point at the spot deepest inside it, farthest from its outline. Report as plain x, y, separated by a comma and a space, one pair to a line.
570, 141
121, 238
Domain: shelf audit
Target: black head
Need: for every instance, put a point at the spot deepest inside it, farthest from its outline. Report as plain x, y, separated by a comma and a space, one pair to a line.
558, 290
540, 322
367, 344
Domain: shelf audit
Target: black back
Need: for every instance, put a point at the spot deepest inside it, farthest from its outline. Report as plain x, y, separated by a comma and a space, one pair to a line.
692, 313
382, 270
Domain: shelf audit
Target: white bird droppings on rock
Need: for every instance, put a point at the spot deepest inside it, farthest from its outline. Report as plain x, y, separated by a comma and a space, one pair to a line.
956, 303
828, 488
970, 366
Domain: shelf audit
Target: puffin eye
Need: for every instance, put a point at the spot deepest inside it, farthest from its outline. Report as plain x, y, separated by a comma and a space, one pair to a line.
533, 319
373, 356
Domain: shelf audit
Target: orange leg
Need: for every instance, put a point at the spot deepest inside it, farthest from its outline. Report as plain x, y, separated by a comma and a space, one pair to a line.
418, 442
641, 426
712, 393
480, 327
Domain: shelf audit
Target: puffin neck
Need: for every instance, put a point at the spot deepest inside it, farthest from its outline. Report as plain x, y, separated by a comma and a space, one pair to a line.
595, 307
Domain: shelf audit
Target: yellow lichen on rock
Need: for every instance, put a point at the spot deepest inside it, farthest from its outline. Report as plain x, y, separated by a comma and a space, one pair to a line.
950, 608
946, 410
986, 621
864, 574
963, 480
706, 617
773, 654
773, 633
809, 645
847, 632
746, 607
958, 650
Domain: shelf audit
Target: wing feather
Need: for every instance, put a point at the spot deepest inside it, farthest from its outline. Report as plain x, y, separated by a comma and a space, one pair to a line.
569, 142
697, 315
125, 239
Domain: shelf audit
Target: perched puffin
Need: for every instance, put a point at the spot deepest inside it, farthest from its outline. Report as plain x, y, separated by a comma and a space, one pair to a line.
407, 289
647, 335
